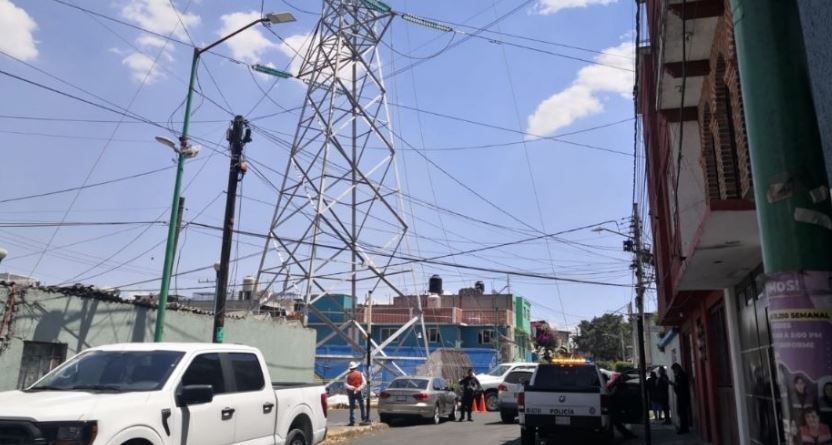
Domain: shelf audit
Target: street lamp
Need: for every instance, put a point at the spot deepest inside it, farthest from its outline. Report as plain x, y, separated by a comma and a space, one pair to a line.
184, 151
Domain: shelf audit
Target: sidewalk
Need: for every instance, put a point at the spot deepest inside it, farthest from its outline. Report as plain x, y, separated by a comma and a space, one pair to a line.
665, 435
338, 431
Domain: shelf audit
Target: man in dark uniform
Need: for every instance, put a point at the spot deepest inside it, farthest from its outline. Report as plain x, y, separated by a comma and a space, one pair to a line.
681, 386
470, 388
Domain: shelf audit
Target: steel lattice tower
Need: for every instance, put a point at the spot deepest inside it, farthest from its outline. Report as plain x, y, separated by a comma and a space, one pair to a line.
338, 221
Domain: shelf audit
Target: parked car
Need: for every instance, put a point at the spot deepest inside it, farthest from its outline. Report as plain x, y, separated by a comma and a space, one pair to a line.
427, 398
508, 390
566, 396
164, 393
491, 380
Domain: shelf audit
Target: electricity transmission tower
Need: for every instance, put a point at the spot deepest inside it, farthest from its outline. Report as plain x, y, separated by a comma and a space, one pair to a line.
338, 223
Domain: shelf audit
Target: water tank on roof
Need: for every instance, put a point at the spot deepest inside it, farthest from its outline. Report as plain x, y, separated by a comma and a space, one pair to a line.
480, 286
435, 285
249, 287
434, 301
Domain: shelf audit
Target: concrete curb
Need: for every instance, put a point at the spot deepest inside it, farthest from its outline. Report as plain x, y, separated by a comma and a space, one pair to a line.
342, 433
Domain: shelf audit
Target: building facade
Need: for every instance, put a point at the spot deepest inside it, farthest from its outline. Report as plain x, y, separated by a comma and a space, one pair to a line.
42, 327
468, 320
703, 217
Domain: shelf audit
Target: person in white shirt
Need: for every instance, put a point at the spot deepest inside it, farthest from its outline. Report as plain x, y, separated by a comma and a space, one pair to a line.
355, 383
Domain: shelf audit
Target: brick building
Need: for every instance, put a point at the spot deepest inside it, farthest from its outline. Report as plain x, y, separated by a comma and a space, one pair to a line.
703, 217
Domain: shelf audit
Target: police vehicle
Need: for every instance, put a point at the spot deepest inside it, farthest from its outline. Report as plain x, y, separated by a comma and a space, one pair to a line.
566, 395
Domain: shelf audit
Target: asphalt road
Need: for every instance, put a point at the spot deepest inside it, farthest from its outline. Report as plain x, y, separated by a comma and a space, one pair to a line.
486, 429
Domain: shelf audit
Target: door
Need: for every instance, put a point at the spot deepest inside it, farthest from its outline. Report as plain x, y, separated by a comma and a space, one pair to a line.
38, 359
721, 367
208, 423
253, 400
441, 395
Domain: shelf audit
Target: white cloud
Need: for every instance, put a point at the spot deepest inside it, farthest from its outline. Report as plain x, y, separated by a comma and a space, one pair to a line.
249, 45
16, 29
160, 17
293, 43
142, 68
547, 7
582, 98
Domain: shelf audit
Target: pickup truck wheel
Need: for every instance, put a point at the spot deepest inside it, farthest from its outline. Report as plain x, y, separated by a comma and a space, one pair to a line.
452, 415
507, 416
436, 415
492, 402
527, 436
297, 437
384, 418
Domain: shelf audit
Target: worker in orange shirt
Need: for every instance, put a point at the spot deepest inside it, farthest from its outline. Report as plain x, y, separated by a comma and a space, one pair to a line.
355, 383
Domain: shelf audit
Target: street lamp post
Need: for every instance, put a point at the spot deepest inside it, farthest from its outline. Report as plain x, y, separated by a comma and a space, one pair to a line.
185, 151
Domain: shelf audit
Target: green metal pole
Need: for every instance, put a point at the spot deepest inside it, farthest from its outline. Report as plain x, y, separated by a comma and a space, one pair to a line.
170, 248
792, 196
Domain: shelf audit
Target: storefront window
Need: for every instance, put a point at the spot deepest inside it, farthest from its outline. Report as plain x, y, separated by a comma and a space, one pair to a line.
762, 394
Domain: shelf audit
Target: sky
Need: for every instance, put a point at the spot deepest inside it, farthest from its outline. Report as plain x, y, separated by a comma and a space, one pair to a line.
483, 105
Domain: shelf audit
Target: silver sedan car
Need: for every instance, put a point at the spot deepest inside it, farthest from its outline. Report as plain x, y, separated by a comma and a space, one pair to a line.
427, 398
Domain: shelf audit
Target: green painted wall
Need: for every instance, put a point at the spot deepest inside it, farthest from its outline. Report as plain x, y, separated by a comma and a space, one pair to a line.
522, 315
82, 323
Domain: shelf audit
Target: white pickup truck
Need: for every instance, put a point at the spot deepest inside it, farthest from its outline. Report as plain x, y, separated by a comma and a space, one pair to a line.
164, 393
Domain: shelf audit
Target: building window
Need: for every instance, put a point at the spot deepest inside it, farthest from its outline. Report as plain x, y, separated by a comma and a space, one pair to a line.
487, 336
38, 359
434, 336
387, 333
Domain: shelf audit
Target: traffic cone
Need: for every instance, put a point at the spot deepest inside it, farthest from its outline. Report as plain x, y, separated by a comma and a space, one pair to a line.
481, 404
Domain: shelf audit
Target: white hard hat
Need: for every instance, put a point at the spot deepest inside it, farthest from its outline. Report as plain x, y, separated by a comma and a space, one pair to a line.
353, 365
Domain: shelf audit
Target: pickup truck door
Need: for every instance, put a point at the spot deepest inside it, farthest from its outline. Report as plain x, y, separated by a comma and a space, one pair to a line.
207, 423
253, 400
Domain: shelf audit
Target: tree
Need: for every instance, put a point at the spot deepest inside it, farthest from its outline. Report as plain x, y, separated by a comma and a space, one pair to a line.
602, 337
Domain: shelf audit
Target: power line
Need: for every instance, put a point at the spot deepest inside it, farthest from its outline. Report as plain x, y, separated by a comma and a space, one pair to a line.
510, 130
86, 186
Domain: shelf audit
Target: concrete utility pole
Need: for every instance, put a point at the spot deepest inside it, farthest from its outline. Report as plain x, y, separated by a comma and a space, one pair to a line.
791, 190
185, 151
641, 285
238, 136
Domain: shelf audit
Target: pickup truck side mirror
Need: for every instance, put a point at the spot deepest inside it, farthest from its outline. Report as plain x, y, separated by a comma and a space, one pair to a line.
195, 395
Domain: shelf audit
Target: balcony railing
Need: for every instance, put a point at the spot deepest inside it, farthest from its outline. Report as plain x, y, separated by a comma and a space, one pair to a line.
445, 315
487, 317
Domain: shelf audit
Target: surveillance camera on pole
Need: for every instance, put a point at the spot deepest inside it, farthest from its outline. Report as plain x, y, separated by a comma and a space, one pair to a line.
3, 253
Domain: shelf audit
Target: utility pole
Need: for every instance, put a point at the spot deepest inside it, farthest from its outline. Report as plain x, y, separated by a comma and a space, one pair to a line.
641, 285
791, 190
238, 135
369, 313
185, 151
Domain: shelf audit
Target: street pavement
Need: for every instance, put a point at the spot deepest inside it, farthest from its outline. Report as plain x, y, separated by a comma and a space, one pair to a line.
485, 430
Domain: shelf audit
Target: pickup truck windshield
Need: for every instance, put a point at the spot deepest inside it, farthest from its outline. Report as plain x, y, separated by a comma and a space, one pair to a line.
498, 370
566, 378
113, 371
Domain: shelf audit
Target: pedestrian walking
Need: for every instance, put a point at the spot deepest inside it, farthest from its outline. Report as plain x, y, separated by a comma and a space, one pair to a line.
681, 386
652, 395
355, 384
470, 388
618, 405
663, 394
